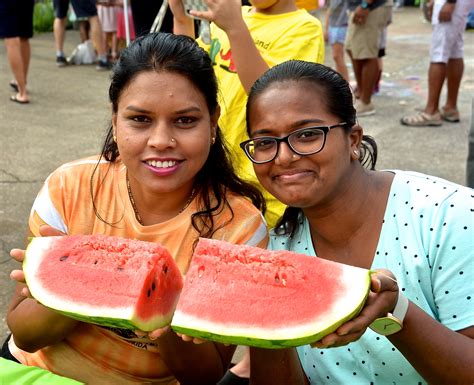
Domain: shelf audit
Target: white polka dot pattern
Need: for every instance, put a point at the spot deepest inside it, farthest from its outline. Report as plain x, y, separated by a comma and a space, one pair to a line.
427, 241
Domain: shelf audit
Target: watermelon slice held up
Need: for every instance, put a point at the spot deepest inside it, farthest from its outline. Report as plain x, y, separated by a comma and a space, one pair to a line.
273, 299
109, 281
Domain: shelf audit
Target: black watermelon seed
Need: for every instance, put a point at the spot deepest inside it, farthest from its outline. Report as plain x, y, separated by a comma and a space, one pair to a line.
64, 257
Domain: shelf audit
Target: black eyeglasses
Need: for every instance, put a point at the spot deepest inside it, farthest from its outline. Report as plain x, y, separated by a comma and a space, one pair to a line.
305, 141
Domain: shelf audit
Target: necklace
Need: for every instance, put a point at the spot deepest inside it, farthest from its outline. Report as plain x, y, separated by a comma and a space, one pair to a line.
134, 206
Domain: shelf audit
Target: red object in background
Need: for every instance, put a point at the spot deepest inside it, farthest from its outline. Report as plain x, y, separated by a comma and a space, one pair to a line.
121, 25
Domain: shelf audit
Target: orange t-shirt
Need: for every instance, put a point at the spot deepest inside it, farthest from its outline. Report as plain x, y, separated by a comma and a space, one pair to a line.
100, 355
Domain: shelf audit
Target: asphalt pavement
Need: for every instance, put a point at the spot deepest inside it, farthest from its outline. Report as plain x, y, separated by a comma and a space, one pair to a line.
69, 113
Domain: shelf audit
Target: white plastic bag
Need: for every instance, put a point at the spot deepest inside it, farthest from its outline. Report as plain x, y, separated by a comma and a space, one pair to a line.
84, 53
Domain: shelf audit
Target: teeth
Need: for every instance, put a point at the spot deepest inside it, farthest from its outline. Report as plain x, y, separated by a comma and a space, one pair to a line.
160, 164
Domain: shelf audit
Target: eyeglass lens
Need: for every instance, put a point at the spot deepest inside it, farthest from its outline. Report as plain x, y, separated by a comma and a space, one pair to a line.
303, 142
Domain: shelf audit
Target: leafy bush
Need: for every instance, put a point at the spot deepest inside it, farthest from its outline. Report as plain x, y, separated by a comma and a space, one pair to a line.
43, 16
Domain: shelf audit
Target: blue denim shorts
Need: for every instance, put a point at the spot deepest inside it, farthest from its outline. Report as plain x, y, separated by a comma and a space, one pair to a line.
337, 35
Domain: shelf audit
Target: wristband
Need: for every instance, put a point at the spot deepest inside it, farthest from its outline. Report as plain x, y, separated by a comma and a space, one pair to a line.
392, 322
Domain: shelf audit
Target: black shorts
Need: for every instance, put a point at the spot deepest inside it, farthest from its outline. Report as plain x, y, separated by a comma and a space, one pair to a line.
82, 8
16, 18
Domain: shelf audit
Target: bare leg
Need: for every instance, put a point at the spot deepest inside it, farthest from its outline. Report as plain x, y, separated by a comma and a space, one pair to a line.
369, 71
436, 76
59, 28
13, 47
96, 34
114, 45
357, 67
338, 57
25, 55
454, 72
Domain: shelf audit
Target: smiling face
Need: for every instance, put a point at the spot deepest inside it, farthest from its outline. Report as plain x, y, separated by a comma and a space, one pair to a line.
301, 181
164, 131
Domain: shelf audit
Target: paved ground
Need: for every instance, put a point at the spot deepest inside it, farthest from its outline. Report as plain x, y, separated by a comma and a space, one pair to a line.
69, 112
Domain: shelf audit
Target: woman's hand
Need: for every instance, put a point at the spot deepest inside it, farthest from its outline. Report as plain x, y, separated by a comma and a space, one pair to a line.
18, 275
19, 255
383, 297
157, 333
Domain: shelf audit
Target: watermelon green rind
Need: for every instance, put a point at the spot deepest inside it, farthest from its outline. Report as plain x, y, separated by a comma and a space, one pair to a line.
272, 339
113, 317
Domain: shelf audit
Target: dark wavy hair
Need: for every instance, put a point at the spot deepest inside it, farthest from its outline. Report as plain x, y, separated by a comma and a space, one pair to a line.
165, 52
337, 96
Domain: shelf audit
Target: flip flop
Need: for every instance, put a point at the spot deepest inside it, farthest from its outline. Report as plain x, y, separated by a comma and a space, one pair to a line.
14, 85
15, 99
421, 119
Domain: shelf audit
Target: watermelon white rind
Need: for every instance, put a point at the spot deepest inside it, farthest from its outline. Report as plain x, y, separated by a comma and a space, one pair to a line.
229, 290
109, 281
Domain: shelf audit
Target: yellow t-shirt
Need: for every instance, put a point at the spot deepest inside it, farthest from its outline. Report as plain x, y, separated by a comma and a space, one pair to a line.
100, 355
292, 35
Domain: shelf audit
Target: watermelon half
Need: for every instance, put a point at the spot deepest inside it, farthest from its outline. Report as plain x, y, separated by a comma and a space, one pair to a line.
273, 299
105, 280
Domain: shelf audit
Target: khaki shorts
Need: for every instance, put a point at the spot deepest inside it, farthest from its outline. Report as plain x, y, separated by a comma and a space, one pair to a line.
364, 40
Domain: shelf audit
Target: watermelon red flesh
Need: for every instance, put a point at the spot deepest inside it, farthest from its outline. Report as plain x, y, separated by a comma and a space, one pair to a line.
246, 295
106, 280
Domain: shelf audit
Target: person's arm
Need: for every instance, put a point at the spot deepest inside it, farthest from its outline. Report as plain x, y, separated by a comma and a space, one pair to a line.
276, 367
440, 355
33, 325
326, 24
182, 24
362, 12
194, 363
227, 15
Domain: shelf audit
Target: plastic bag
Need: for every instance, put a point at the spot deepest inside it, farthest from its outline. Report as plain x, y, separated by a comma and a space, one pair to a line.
84, 53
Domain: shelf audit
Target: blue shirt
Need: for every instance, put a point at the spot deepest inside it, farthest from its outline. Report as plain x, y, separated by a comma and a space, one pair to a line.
427, 241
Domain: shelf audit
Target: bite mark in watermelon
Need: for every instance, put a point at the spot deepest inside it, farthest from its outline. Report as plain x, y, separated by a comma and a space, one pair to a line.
109, 281
273, 299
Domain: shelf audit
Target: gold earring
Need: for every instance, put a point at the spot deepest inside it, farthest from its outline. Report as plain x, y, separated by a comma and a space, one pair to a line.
356, 153
213, 140
114, 138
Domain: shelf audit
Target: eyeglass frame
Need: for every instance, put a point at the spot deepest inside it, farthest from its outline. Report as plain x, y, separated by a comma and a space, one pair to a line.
285, 139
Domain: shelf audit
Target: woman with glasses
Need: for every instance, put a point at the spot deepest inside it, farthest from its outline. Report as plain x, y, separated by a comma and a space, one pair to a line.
415, 230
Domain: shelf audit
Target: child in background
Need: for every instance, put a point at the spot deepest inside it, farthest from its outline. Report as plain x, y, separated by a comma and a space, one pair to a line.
335, 28
246, 41
107, 12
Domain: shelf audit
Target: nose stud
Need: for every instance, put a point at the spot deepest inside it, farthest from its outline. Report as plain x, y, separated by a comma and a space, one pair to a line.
173, 140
